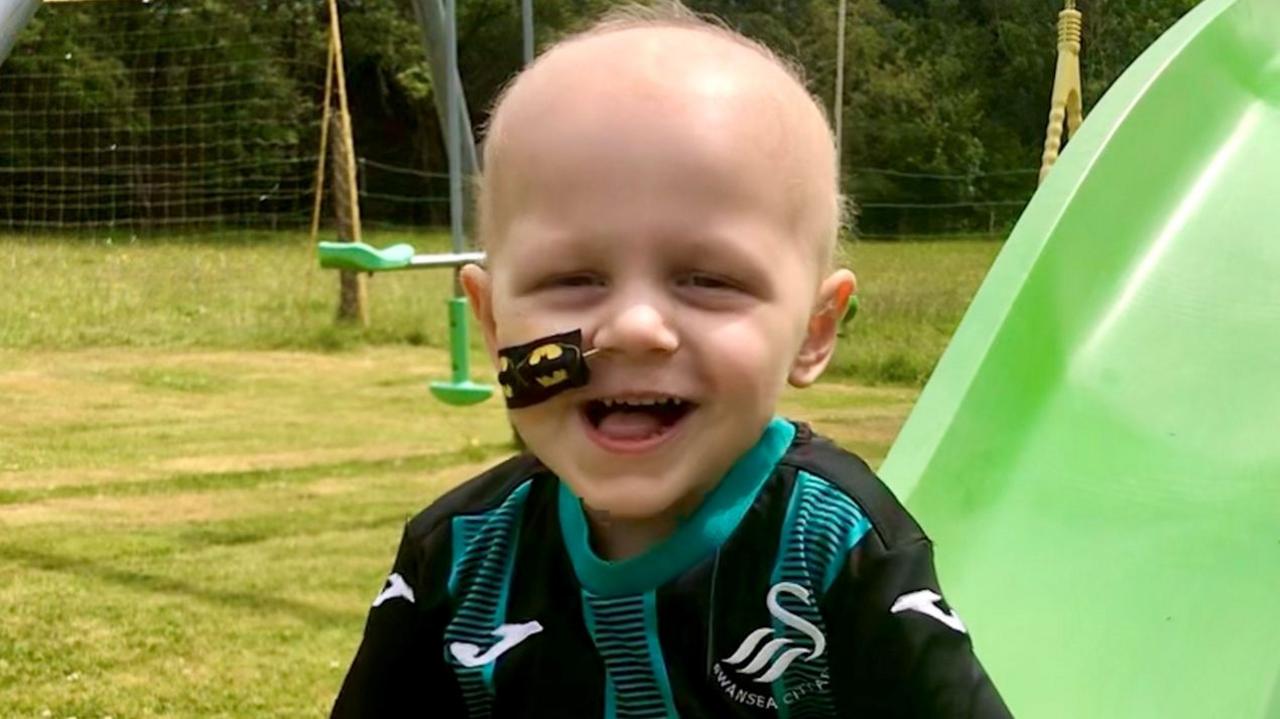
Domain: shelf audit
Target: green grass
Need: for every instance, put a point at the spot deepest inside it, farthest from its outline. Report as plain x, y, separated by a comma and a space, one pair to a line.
198, 533
196, 506
913, 295
266, 292
241, 291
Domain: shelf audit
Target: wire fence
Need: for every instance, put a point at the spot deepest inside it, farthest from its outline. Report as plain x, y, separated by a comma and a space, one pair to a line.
160, 118
394, 194
898, 202
136, 116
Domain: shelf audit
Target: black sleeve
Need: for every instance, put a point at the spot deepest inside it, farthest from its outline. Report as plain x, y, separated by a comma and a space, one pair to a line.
897, 648
400, 668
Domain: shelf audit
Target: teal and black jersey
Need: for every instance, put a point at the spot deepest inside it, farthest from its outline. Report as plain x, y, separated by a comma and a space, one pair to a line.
800, 588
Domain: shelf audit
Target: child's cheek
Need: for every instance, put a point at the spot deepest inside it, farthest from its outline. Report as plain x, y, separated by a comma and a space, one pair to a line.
746, 354
521, 320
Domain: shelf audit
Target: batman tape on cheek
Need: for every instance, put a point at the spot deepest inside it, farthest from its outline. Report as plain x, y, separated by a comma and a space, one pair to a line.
536, 371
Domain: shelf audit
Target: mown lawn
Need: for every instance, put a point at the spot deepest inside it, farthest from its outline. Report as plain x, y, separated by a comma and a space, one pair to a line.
202, 482
265, 291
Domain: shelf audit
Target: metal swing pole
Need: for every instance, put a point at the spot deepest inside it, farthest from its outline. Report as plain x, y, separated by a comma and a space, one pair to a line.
453, 127
14, 15
430, 15
838, 114
526, 28
459, 389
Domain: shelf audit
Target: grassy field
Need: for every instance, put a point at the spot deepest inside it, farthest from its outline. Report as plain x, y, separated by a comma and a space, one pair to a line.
196, 505
266, 292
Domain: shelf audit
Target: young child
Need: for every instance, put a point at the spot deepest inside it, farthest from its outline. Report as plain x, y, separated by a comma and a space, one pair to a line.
668, 546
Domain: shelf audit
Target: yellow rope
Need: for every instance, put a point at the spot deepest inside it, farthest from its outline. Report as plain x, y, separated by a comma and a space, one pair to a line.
324, 144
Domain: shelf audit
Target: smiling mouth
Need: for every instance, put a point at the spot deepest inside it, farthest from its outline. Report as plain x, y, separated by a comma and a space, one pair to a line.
635, 419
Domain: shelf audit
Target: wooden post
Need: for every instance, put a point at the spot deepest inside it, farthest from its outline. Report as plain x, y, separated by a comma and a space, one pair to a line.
1067, 106
353, 305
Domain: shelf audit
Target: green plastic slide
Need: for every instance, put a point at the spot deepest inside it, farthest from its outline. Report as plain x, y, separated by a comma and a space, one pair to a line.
1097, 455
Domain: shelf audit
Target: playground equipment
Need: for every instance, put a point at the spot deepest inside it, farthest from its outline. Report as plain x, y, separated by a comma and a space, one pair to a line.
439, 25
1067, 103
359, 257
1096, 455
14, 15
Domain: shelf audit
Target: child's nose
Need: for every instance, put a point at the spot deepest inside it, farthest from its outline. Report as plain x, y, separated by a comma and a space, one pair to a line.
637, 327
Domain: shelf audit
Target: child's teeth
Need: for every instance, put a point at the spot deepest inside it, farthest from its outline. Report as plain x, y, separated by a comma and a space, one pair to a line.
642, 402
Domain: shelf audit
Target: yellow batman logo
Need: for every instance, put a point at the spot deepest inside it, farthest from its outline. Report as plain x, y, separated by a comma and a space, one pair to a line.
504, 364
545, 352
507, 391
554, 378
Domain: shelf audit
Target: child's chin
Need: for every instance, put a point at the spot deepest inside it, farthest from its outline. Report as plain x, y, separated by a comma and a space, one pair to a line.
637, 502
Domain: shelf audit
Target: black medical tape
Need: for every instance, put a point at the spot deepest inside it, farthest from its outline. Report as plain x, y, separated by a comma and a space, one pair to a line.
536, 371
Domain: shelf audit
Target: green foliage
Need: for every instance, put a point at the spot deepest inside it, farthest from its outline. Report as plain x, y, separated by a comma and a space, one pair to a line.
951, 88
115, 107
957, 88
1118, 30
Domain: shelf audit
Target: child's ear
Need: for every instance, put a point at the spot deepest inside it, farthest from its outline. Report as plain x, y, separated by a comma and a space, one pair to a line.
820, 336
478, 286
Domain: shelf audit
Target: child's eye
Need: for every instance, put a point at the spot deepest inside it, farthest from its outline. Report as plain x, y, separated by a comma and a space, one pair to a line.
580, 279
704, 281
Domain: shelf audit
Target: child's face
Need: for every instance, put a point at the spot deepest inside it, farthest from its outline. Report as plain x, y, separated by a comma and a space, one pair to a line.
660, 229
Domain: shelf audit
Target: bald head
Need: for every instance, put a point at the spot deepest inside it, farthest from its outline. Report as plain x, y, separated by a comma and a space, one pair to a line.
675, 82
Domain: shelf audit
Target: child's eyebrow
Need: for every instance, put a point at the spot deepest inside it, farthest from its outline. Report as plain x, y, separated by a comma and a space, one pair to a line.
684, 248
702, 246
569, 250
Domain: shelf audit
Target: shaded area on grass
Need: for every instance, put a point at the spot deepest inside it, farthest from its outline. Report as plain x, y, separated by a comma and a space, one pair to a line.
206, 481
158, 583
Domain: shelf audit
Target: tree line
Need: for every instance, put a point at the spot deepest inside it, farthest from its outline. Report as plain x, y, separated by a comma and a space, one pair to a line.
195, 108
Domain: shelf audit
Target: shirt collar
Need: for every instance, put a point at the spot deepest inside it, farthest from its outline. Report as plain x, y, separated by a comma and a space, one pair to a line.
695, 538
